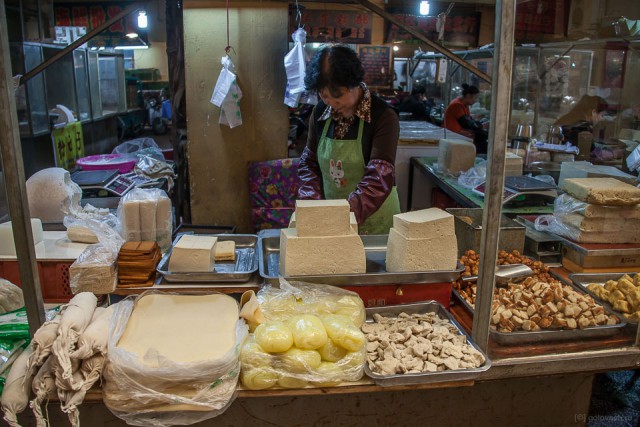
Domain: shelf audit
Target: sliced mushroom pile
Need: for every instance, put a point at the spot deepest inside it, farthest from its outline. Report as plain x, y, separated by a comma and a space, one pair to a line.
417, 343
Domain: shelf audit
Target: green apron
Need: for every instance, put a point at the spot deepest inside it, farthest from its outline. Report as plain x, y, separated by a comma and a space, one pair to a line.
342, 166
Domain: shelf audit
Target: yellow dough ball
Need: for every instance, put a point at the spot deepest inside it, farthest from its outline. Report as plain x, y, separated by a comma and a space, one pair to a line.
258, 379
330, 373
308, 332
352, 307
352, 361
343, 332
277, 305
300, 361
332, 352
254, 356
274, 337
291, 382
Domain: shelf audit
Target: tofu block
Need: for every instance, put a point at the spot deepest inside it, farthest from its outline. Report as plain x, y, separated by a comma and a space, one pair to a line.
426, 223
404, 254
616, 237
610, 224
352, 221
455, 155
225, 251
7, 243
81, 234
305, 256
611, 212
147, 220
602, 191
131, 220
322, 218
193, 253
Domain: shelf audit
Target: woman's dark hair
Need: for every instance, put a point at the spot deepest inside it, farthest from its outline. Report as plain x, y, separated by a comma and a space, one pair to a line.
469, 90
419, 90
332, 68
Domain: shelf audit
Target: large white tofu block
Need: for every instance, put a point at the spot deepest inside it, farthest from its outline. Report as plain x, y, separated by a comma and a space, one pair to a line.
320, 218
131, 220
181, 328
426, 223
193, 253
352, 221
147, 220
455, 155
7, 243
305, 256
404, 254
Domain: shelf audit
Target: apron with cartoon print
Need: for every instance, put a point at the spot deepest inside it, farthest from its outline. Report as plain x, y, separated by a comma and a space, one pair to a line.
342, 166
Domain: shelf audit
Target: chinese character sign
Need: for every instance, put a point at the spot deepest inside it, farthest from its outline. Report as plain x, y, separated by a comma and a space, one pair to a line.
460, 27
376, 61
68, 145
340, 26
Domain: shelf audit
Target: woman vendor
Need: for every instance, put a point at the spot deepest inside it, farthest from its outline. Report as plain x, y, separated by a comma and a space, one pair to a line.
351, 149
457, 118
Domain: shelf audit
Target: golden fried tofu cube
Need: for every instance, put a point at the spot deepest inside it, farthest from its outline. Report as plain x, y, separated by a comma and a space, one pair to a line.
611, 285
636, 280
634, 316
626, 277
622, 306
626, 286
616, 295
634, 299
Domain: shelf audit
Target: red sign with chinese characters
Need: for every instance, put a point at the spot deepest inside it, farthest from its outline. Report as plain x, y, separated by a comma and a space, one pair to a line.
79, 15
342, 26
539, 17
376, 61
460, 27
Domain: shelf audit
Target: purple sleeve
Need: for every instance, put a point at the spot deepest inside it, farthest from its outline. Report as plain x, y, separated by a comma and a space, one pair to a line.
310, 176
373, 189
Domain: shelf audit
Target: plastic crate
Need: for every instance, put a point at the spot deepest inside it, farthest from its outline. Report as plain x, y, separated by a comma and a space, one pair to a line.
376, 296
54, 279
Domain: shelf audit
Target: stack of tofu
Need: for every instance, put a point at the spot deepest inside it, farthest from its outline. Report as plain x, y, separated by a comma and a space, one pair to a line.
606, 211
323, 240
146, 216
422, 241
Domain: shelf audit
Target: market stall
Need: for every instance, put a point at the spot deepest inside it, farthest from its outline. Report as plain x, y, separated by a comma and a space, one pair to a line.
443, 320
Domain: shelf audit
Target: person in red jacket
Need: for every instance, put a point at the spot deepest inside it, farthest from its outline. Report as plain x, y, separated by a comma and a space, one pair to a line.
457, 118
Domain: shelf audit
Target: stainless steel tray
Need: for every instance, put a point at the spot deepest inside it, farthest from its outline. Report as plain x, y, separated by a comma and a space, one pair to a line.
245, 265
584, 279
426, 377
543, 336
376, 252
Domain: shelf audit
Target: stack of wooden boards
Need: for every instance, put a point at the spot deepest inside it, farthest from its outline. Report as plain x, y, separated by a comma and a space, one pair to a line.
324, 241
422, 241
137, 263
598, 211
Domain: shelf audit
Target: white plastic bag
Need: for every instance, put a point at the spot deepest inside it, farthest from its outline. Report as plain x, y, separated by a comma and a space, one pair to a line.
295, 63
227, 95
170, 394
474, 176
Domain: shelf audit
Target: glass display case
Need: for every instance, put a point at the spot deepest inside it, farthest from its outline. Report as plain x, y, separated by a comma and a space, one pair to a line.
31, 101
107, 83
82, 84
60, 80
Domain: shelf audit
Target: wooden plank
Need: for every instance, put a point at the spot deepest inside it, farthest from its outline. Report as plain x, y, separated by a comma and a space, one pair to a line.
15, 186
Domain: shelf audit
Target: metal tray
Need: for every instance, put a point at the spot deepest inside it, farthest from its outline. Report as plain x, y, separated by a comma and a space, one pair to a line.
543, 336
246, 262
584, 279
426, 377
376, 253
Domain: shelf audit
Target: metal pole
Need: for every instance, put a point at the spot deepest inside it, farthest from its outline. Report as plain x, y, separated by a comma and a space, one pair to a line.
13, 167
446, 52
498, 136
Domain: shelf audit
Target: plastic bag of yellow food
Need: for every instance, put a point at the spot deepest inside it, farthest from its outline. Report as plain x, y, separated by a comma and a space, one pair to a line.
310, 337
299, 298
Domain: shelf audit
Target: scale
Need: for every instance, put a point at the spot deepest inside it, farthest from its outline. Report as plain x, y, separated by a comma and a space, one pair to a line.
102, 183
523, 190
